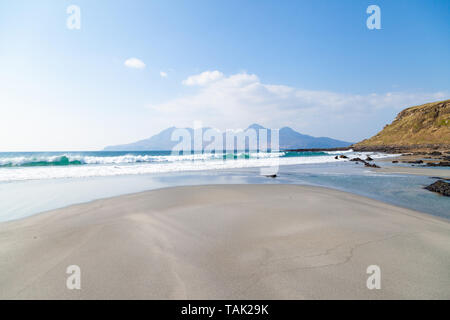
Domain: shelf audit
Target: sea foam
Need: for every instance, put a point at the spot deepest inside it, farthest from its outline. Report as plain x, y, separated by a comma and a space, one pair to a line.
80, 166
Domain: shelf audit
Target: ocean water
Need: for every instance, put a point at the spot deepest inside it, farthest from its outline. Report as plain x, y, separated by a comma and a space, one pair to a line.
35, 182
55, 165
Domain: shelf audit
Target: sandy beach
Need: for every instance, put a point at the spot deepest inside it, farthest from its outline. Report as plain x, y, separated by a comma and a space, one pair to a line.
227, 242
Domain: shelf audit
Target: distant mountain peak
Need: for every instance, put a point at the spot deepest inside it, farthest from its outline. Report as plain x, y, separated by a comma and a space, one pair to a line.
288, 139
255, 126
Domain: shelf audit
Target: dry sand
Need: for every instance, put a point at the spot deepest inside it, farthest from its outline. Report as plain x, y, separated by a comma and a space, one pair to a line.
227, 242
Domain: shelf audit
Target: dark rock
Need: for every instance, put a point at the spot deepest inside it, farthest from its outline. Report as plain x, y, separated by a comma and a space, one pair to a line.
336, 157
343, 157
395, 161
271, 176
435, 153
439, 164
414, 161
365, 162
441, 187
440, 178
369, 158
401, 148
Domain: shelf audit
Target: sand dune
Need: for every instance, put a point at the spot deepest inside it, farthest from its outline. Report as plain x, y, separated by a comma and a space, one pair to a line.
227, 242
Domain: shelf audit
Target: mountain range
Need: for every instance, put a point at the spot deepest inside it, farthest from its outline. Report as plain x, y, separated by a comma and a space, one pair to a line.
288, 139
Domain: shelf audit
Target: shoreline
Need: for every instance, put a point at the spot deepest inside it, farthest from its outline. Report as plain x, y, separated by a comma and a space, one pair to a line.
413, 148
78, 191
420, 171
227, 242
388, 170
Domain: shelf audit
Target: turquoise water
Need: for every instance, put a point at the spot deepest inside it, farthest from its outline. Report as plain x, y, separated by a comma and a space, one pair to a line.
22, 198
22, 166
64, 158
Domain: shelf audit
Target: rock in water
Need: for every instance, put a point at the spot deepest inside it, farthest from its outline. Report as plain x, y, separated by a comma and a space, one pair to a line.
369, 158
441, 187
367, 164
439, 164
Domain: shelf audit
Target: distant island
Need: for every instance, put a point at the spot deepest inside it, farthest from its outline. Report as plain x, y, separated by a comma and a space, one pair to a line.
288, 139
419, 128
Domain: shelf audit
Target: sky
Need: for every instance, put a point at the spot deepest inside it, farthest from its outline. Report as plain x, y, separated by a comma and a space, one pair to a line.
134, 68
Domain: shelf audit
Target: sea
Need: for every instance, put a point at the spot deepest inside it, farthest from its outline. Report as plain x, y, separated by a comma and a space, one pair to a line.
34, 182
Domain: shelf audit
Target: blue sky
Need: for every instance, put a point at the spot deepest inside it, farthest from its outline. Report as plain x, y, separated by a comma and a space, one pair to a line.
311, 65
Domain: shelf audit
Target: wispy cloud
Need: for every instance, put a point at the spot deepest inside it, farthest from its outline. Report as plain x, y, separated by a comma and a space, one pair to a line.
134, 63
203, 79
163, 74
239, 99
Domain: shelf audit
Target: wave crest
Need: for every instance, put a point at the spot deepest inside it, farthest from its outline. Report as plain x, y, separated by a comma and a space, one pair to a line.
69, 160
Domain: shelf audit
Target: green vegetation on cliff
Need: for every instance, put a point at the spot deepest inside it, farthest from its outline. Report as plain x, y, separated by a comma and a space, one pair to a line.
427, 124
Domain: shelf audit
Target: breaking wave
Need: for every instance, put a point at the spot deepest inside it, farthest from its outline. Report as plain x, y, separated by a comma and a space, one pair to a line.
30, 166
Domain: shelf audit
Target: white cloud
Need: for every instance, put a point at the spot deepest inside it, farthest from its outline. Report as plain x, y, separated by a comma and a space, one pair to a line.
163, 74
241, 99
203, 78
134, 63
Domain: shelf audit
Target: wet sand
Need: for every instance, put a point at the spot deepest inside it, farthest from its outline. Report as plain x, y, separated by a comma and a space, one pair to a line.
440, 173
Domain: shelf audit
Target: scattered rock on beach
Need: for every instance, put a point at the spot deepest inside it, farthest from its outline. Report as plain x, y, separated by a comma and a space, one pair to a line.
414, 161
395, 161
369, 158
367, 164
343, 157
336, 157
439, 164
271, 176
441, 187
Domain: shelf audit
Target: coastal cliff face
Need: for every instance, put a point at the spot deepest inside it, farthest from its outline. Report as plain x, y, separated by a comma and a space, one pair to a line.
421, 127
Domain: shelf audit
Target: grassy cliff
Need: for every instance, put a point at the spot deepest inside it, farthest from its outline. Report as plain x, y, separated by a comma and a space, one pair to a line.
424, 126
